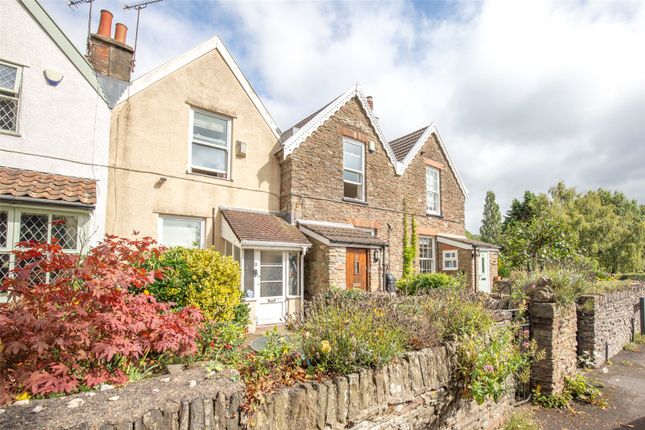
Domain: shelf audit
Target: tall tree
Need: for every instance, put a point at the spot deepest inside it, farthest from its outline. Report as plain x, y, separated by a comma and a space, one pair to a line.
491, 227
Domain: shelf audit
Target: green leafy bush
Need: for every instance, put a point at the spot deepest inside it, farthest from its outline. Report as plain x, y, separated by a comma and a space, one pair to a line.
632, 277
425, 282
459, 313
199, 277
576, 387
567, 284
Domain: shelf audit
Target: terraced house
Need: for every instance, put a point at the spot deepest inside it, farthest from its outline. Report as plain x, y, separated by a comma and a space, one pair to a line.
348, 188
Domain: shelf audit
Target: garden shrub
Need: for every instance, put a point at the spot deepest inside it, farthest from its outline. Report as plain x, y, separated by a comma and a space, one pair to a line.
567, 284
425, 282
199, 277
459, 313
89, 323
576, 387
632, 277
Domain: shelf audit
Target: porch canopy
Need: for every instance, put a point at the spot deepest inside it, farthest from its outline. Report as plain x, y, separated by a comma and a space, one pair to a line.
249, 229
335, 234
465, 243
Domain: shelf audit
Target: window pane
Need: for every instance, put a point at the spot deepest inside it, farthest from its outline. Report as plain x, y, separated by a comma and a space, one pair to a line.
4, 229
353, 162
65, 231
270, 273
4, 265
8, 113
210, 129
356, 178
425, 265
353, 149
182, 232
433, 202
33, 227
271, 289
425, 247
249, 274
293, 274
8, 76
236, 253
353, 191
271, 257
432, 179
209, 158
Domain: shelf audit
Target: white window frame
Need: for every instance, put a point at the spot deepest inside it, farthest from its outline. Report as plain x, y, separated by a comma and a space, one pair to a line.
162, 217
433, 259
454, 259
360, 172
13, 229
257, 268
191, 140
13, 93
432, 192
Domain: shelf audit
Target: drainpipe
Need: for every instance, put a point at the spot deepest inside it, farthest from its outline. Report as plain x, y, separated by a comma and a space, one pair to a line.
302, 277
214, 211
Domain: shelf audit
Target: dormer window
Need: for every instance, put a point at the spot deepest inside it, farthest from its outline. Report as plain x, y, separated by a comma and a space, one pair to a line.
353, 170
433, 191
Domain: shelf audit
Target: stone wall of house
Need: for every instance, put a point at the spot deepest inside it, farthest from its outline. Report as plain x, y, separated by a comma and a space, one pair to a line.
312, 186
606, 322
337, 267
554, 329
316, 269
415, 392
465, 261
494, 263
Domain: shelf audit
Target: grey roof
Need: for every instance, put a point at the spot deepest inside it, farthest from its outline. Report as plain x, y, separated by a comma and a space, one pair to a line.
344, 235
112, 89
477, 243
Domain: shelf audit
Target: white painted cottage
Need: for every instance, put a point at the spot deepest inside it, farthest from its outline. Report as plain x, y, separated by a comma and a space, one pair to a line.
54, 135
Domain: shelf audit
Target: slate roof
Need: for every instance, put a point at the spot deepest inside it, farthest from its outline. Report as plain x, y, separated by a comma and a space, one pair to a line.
344, 235
262, 227
48, 186
404, 144
465, 240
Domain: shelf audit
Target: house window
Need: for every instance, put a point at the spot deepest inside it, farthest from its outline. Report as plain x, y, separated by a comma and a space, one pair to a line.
32, 224
293, 274
10, 78
450, 260
426, 254
210, 144
181, 231
353, 170
271, 272
249, 273
433, 193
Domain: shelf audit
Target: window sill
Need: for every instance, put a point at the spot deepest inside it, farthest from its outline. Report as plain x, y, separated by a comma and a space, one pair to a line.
355, 201
10, 133
208, 175
450, 269
434, 215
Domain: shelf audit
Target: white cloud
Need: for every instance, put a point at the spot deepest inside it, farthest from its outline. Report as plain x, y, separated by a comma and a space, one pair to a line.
524, 93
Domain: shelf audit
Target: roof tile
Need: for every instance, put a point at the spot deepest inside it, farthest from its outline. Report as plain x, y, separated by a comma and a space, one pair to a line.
262, 227
404, 144
48, 186
341, 235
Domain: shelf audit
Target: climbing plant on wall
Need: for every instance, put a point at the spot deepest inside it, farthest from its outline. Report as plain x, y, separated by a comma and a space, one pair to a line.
409, 243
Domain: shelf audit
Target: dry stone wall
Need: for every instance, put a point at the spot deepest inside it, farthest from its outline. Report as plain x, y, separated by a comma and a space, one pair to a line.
606, 322
415, 392
554, 329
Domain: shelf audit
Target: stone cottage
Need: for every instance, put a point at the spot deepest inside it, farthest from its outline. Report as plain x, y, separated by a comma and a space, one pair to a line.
348, 189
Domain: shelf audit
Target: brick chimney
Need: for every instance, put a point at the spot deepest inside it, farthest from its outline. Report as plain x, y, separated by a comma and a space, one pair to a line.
111, 56
370, 102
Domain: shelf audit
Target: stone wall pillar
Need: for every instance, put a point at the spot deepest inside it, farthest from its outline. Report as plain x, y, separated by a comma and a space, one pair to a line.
554, 329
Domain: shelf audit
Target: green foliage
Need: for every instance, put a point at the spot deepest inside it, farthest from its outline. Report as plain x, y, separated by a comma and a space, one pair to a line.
503, 269
457, 314
522, 421
409, 244
200, 277
632, 347
488, 360
491, 228
424, 282
576, 387
567, 284
632, 276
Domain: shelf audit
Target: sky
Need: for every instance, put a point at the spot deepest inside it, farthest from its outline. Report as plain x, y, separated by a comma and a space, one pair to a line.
524, 94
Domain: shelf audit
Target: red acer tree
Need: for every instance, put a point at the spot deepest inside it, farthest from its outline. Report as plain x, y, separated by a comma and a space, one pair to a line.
80, 320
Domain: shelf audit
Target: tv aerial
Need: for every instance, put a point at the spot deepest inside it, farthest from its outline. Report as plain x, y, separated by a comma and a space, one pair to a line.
138, 6
74, 3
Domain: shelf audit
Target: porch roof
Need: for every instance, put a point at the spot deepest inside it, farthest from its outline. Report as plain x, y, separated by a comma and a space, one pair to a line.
464, 240
340, 234
251, 227
28, 184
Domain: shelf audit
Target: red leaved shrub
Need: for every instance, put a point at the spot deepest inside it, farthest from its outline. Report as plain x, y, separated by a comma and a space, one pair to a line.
74, 321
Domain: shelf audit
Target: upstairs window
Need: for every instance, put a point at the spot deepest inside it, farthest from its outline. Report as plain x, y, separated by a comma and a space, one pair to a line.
353, 170
426, 254
433, 191
10, 78
210, 146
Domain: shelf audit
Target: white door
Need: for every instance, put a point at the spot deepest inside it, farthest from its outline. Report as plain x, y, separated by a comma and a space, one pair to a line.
271, 300
484, 275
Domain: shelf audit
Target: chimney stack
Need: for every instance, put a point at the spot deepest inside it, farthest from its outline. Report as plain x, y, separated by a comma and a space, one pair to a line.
111, 57
370, 102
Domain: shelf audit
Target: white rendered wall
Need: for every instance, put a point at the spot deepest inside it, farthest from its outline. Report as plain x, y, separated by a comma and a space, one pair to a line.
63, 129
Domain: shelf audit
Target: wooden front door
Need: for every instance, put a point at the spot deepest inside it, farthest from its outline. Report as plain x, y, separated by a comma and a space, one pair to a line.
356, 268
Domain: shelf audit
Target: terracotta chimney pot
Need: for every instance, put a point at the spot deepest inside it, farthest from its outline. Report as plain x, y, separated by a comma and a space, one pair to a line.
370, 102
120, 33
105, 24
